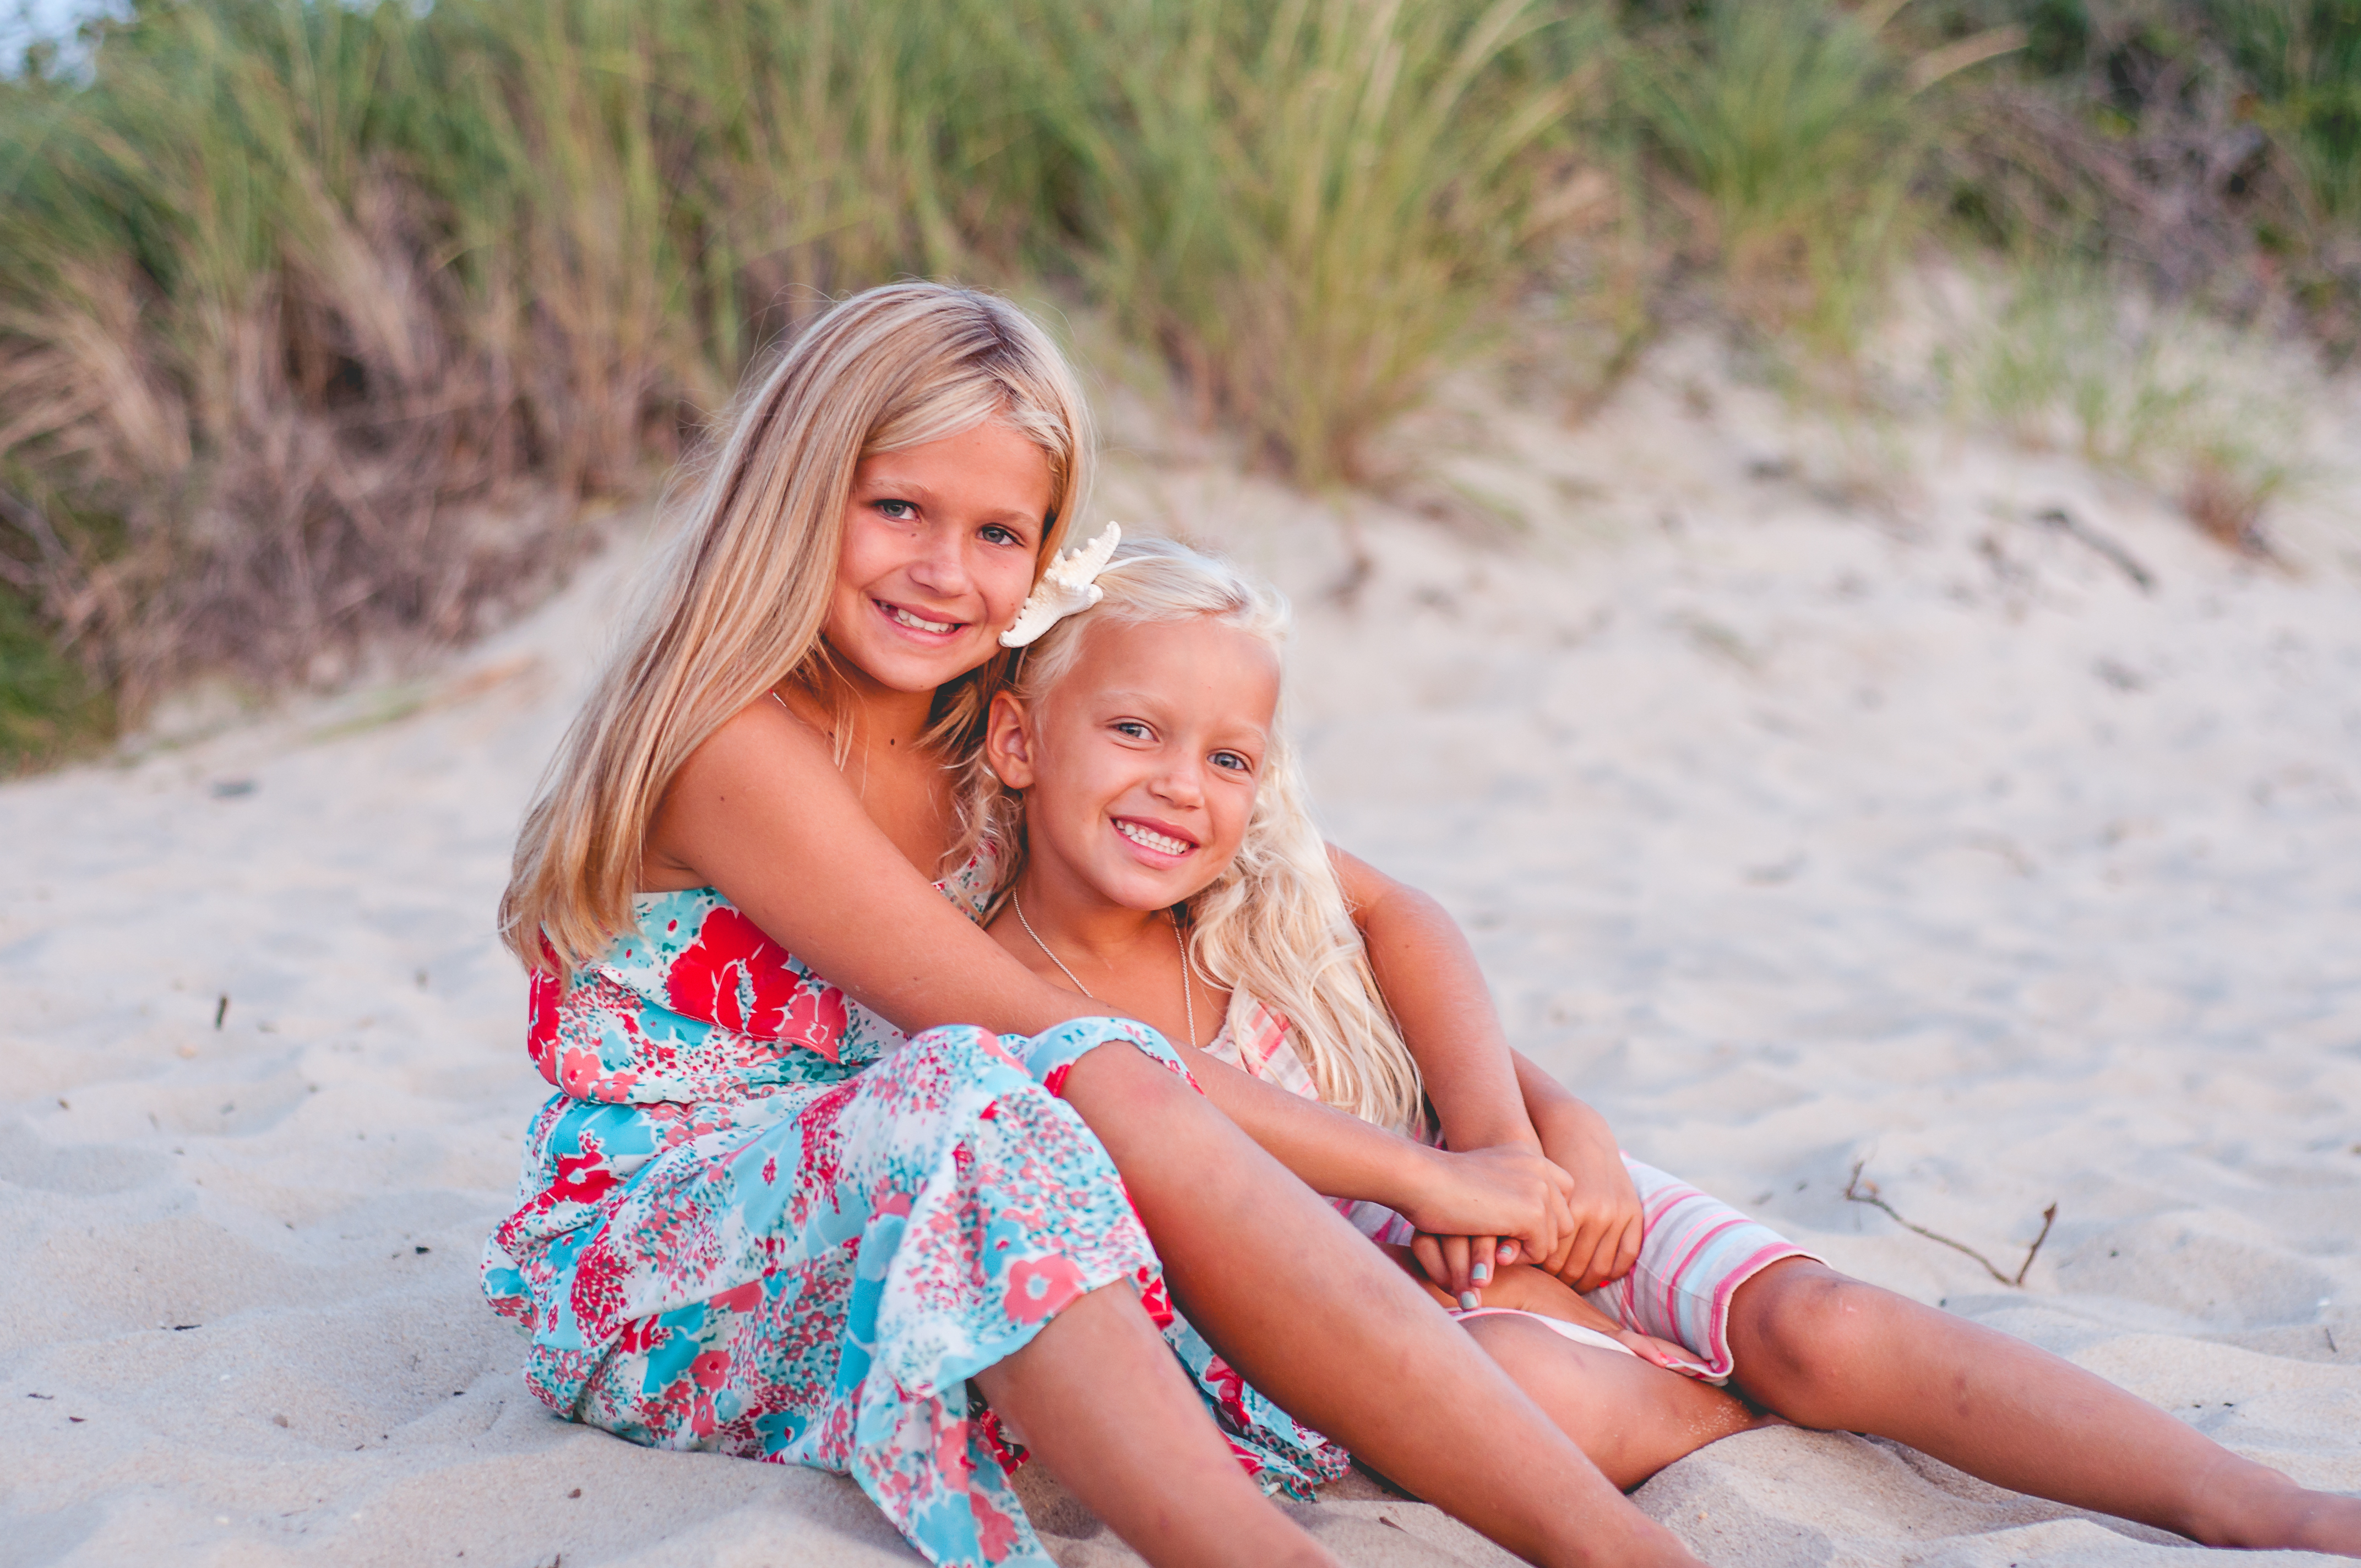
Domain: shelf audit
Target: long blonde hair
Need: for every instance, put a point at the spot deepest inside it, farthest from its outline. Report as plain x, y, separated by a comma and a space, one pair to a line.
1274, 924
738, 604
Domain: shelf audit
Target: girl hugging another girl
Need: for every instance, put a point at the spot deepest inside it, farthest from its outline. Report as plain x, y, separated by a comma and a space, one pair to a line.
832, 1175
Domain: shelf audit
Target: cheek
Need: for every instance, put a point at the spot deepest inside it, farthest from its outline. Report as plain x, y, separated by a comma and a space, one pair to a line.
1004, 578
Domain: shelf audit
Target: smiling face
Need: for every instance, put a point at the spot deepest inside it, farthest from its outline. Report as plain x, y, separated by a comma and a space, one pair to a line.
1140, 766
939, 542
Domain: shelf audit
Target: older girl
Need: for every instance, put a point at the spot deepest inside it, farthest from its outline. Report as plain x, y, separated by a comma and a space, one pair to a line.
785, 1205
1157, 858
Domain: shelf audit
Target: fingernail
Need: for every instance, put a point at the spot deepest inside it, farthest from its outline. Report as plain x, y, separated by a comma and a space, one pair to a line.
1481, 1274
1469, 1300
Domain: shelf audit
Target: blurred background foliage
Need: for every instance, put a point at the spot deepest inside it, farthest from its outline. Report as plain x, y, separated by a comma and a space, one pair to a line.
322, 324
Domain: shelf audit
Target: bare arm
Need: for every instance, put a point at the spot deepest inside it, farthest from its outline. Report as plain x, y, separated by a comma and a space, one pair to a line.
1509, 1192
1430, 978
1481, 1089
761, 812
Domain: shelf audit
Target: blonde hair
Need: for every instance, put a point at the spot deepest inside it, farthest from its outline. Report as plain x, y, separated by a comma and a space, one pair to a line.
738, 604
1274, 924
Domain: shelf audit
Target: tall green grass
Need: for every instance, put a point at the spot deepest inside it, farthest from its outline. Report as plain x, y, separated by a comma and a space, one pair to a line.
319, 318
1304, 201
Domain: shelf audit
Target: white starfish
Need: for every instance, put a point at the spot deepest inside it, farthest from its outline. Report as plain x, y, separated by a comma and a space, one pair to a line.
1065, 587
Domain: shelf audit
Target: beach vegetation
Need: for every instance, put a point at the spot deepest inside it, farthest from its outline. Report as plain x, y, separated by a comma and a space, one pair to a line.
325, 325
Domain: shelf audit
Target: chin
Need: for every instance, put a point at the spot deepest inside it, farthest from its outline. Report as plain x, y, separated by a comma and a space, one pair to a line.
1132, 890
900, 670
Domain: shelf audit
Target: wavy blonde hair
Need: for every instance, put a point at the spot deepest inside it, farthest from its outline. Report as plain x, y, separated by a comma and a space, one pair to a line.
1275, 923
737, 605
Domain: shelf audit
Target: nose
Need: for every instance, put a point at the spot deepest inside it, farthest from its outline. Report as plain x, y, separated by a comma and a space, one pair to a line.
1181, 784
941, 564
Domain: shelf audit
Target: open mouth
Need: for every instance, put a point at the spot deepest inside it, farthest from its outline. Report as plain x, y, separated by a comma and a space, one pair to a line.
900, 617
1151, 839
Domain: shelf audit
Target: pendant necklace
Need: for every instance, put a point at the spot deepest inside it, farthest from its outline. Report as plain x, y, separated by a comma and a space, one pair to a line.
1188, 994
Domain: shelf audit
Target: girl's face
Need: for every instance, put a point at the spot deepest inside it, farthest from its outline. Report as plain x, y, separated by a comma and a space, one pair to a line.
940, 541
1140, 767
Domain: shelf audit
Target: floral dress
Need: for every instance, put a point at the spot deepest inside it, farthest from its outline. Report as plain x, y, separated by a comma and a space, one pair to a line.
757, 1219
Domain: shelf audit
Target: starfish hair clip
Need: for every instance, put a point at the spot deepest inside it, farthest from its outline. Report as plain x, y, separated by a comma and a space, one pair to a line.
1068, 586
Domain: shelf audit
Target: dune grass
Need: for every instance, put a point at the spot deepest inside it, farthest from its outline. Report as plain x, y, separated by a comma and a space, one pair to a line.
321, 320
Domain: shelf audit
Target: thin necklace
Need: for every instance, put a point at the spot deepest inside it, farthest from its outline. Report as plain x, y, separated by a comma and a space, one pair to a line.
1187, 993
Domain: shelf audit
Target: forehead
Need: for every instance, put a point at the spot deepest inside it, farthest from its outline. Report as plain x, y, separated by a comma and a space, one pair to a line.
1200, 663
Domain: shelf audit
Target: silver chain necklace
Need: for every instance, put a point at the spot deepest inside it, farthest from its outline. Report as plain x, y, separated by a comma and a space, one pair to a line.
1187, 993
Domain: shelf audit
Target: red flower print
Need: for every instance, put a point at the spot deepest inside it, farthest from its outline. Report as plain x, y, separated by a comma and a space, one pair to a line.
1038, 1287
711, 1369
994, 1531
1156, 1298
744, 1299
582, 1177
643, 1336
735, 976
951, 1457
1229, 1390
544, 991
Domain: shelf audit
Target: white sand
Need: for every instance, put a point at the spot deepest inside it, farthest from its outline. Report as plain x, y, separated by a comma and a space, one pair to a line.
1791, 835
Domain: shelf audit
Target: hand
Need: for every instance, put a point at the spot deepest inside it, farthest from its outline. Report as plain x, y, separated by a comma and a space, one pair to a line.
1660, 1353
1472, 1205
1462, 1266
1603, 1242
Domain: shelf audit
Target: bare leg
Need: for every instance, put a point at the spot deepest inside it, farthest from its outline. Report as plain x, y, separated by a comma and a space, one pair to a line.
1630, 1417
1101, 1401
1830, 1352
1318, 1320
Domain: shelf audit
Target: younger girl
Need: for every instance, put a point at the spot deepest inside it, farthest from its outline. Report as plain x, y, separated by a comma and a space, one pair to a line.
1155, 855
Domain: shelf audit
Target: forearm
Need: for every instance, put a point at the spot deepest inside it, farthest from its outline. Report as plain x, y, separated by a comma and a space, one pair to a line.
1554, 1109
1430, 978
1330, 1151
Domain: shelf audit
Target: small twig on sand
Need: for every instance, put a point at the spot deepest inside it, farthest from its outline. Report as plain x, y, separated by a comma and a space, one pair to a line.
1859, 1192
2074, 527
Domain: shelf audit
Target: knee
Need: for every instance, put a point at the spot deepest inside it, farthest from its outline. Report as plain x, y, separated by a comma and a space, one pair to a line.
1118, 1077
1801, 1332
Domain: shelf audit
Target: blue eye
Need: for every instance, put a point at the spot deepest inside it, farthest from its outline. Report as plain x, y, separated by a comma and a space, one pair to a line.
900, 512
1131, 728
1233, 761
996, 534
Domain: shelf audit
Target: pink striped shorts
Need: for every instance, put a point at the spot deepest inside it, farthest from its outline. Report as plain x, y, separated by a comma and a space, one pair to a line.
1693, 1254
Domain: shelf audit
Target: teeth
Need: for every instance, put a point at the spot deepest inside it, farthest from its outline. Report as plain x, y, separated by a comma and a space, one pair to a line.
906, 619
1148, 838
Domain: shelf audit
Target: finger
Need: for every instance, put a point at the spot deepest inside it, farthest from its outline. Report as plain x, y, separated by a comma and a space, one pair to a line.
1603, 1267
1508, 1250
1602, 1259
1626, 1251
1429, 1253
1455, 1263
1652, 1351
1482, 1251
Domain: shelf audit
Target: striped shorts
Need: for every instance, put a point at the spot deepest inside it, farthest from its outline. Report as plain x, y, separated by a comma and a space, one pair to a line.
1694, 1252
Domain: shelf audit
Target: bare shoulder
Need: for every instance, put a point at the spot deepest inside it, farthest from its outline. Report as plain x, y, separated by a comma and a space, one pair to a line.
763, 760
1363, 885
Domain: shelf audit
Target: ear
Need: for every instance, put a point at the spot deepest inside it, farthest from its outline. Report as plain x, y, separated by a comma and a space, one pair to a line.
1008, 741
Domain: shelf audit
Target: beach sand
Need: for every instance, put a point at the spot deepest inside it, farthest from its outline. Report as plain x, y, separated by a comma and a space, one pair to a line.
1799, 824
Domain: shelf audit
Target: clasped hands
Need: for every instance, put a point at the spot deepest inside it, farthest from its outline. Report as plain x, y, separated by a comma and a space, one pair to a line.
1568, 1209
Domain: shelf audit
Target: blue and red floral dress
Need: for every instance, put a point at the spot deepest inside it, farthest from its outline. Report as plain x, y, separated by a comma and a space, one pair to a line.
757, 1219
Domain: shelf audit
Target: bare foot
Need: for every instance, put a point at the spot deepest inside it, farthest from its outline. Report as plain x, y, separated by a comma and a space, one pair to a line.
2255, 1508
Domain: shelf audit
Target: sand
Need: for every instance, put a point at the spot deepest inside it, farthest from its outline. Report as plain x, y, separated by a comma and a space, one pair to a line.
1798, 822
